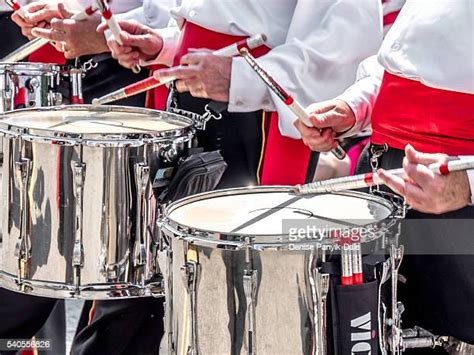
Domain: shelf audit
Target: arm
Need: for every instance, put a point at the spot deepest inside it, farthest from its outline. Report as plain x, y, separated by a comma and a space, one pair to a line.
361, 96
315, 65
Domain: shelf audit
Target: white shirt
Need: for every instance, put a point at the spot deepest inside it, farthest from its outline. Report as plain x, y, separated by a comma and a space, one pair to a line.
431, 43
316, 46
153, 13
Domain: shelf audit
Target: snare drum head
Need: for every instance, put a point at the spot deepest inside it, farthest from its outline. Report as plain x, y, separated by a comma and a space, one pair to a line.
86, 121
263, 211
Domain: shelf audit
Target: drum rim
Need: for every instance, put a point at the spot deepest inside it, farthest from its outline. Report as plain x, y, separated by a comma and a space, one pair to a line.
30, 68
238, 240
95, 139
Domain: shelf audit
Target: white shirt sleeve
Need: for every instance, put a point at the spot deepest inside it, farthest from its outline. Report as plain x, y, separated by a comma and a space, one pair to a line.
170, 36
325, 43
362, 95
470, 176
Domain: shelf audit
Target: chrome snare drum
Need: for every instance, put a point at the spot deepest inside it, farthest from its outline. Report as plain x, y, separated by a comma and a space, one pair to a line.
77, 206
239, 280
27, 85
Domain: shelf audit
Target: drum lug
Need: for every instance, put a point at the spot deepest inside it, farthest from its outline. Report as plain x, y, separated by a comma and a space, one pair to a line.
23, 245
142, 179
32, 84
395, 335
169, 154
54, 99
190, 277
250, 291
78, 250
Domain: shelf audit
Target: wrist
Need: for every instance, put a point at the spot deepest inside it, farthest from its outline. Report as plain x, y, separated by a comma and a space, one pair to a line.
346, 110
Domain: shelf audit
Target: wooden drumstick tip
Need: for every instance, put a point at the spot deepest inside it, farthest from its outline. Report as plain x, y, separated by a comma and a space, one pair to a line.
296, 189
244, 52
96, 102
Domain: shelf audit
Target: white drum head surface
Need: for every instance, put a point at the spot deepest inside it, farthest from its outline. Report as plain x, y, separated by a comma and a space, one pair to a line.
90, 122
263, 213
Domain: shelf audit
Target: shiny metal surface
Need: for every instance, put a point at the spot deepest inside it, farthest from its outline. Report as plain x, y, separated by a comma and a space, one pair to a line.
248, 293
89, 208
33, 85
36, 81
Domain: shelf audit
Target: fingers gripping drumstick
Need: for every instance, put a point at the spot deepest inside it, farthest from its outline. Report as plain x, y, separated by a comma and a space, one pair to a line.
151, 83
284, 96
113, 25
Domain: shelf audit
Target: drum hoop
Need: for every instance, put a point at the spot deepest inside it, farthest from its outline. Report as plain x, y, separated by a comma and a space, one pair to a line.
97, 139
25, 68
239, 241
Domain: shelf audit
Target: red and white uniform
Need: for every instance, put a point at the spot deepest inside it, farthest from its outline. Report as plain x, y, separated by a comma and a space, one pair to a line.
315, 49
302, 35
420, 88
391, 9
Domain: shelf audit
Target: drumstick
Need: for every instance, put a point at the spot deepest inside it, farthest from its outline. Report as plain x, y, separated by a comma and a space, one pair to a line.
357, 272
16, 6
284, 96
346, 265
113, 25
371, 179
151, 82
36, 43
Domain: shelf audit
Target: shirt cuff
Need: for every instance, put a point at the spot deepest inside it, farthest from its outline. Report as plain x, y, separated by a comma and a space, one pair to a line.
166, 56
247, 93
470, 176
355, 98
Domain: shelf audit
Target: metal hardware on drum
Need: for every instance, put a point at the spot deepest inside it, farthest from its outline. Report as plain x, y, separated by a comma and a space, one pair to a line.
249, 289
78, 249
285, 97
396, 256
77, 215
23, 244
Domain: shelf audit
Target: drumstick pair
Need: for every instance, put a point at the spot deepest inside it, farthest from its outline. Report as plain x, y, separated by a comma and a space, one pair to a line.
371, 179
285, 97
151, 82
36, 43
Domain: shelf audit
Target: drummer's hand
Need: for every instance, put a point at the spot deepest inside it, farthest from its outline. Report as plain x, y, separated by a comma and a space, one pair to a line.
202, 74
74, 38
425, 190
40, 14
328, 118
140, 42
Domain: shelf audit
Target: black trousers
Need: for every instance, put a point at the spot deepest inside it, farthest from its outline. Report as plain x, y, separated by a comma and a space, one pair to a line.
11, 35
237, 135
438, 265
132, 326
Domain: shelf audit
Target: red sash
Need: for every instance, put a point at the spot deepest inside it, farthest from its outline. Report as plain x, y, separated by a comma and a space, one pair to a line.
432, 120
157, 97
285, 160
47, 54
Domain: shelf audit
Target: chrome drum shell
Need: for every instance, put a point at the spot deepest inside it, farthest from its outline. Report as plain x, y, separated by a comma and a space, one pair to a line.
240, 292
86, 199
